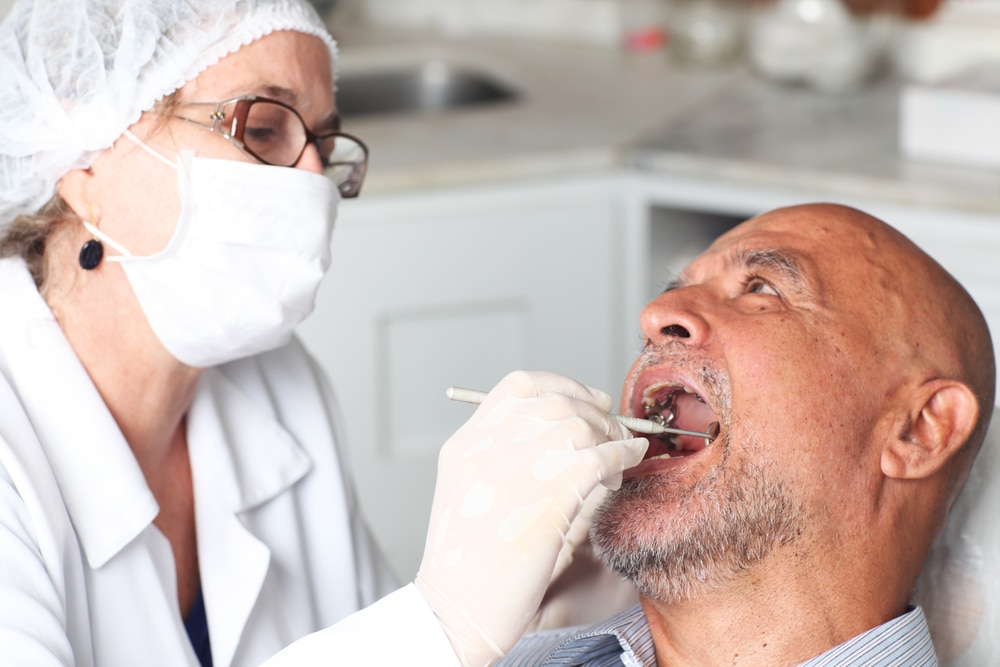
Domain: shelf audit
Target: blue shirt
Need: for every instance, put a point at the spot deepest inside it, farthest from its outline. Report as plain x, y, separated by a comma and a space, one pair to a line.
625, 640
196, 625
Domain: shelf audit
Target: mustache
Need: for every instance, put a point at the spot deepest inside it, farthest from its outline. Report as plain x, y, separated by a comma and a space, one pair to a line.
676, 354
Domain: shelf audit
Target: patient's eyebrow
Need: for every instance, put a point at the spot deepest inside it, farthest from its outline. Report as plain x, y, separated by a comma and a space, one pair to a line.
784, 263
776, 261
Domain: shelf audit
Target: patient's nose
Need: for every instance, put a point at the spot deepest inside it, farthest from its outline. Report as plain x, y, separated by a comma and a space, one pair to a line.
670, 317
675, 330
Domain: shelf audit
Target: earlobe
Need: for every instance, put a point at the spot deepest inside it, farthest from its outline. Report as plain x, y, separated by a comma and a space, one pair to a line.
943, 420
77, 189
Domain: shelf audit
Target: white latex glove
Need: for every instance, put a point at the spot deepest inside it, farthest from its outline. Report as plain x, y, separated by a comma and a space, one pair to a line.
510, 483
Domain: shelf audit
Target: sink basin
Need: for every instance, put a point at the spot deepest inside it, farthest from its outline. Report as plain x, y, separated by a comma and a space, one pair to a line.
432, 87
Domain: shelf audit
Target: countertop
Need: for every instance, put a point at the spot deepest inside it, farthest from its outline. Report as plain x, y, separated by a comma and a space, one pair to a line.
587, 108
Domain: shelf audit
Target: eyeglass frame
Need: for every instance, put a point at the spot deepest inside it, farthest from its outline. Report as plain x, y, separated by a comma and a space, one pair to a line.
218, 117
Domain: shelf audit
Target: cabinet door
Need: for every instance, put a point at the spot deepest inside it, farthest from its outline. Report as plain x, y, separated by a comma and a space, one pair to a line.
458, 288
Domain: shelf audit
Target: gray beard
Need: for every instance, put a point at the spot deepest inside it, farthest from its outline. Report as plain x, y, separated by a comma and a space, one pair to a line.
672, 540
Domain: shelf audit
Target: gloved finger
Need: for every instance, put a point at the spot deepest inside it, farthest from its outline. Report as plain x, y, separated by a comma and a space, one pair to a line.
604, 423
537, 383
579, 530
590, 427
583, 470
599, 420
585, 423
610, 459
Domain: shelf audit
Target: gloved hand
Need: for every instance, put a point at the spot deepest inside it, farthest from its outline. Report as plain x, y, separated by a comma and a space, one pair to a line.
510, 483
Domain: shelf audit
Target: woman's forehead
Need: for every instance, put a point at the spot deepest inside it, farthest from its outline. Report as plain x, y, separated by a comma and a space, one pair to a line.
293, 61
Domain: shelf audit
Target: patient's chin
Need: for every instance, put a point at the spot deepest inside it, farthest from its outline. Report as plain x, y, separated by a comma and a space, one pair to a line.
671, 543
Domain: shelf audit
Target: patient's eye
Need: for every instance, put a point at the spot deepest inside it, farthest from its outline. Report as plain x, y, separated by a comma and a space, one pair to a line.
757, 285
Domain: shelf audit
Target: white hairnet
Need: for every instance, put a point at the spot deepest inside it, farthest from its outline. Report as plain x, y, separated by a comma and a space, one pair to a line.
74, 74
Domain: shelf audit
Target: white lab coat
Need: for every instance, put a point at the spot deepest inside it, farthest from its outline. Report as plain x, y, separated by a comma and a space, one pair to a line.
87, 579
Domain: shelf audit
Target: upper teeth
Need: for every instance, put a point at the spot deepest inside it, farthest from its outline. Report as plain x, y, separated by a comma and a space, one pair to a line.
661, 412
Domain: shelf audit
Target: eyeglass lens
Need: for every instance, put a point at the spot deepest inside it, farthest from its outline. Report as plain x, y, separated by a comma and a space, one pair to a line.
277, 135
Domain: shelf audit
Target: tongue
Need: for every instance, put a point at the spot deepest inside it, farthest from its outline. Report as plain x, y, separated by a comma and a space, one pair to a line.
692, 415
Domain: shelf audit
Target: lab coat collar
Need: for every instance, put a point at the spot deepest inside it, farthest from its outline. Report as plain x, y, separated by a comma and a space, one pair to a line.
238, 443
105, 493
241, 457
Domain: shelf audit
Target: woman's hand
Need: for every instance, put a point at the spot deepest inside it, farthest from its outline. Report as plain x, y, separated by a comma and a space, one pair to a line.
510, 483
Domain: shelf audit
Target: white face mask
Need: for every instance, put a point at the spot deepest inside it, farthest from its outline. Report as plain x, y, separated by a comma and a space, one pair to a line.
242, 268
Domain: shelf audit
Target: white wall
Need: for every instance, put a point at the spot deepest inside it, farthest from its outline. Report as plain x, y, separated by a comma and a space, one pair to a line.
591, 21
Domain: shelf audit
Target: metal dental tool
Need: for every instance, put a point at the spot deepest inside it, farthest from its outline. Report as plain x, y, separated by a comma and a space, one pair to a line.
633, 424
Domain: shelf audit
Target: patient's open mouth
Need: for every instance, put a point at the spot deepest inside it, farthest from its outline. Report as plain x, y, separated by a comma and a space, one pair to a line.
675, 405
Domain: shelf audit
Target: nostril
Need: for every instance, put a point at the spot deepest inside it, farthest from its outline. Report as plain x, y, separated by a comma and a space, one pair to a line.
676, 331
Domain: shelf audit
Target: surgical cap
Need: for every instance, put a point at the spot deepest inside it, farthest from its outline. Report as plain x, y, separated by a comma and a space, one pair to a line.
74, 74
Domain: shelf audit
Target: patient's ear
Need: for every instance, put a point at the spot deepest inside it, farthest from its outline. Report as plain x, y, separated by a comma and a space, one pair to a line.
77, 188
943, 417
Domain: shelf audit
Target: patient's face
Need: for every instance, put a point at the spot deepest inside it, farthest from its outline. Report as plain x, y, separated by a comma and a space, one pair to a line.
783, 331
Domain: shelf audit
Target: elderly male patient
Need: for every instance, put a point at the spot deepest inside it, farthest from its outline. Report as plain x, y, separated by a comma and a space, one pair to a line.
853, 380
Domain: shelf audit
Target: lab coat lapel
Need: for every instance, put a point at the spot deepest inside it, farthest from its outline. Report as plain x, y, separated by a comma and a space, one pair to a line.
241, 457
102, 485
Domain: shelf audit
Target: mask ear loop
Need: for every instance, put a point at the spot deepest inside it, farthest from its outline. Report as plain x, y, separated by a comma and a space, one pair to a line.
92, 251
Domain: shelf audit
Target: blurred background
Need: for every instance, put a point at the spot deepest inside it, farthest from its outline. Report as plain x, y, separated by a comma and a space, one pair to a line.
542, 168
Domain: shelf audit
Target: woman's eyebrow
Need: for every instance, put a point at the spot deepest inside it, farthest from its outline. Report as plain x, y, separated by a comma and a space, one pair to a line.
280, 93
330, 122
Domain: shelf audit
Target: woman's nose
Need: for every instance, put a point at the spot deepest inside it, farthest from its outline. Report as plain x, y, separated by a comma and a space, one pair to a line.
310, 160
673, 317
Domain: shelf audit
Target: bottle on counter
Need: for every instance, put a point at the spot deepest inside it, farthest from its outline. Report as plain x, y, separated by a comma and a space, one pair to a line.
822, 43
704, 32
643, 25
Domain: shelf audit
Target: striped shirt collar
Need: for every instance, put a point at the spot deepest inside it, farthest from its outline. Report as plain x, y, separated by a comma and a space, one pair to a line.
625, 640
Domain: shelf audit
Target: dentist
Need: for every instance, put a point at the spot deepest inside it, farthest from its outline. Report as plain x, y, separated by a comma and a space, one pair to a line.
172, 488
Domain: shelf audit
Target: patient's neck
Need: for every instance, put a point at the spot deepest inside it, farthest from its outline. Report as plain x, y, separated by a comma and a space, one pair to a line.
770, 618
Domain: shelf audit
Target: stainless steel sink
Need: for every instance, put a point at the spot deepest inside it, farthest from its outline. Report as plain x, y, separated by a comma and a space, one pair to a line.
432, 87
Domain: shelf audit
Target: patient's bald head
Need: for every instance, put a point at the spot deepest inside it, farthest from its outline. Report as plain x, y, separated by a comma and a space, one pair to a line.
853, 378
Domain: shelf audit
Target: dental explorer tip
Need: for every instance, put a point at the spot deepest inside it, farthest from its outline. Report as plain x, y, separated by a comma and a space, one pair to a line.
713, 431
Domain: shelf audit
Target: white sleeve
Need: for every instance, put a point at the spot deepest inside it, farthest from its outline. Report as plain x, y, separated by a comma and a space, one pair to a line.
32, 614
399, 629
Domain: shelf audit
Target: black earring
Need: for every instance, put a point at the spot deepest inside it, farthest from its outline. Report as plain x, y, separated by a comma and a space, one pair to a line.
92, 251
91, 254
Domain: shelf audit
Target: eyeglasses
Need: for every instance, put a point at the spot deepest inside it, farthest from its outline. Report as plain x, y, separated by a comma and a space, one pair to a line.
274, 133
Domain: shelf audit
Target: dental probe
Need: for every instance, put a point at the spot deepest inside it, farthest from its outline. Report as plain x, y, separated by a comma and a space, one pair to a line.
633, 424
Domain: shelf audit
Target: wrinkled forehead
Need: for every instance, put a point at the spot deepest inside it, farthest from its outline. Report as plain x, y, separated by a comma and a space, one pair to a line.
807, 247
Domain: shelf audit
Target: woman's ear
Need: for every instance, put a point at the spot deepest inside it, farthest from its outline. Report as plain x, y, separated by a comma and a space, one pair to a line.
77, 189
943, 417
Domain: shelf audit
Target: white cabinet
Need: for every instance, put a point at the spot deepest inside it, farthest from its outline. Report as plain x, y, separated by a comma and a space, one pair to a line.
460, 287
